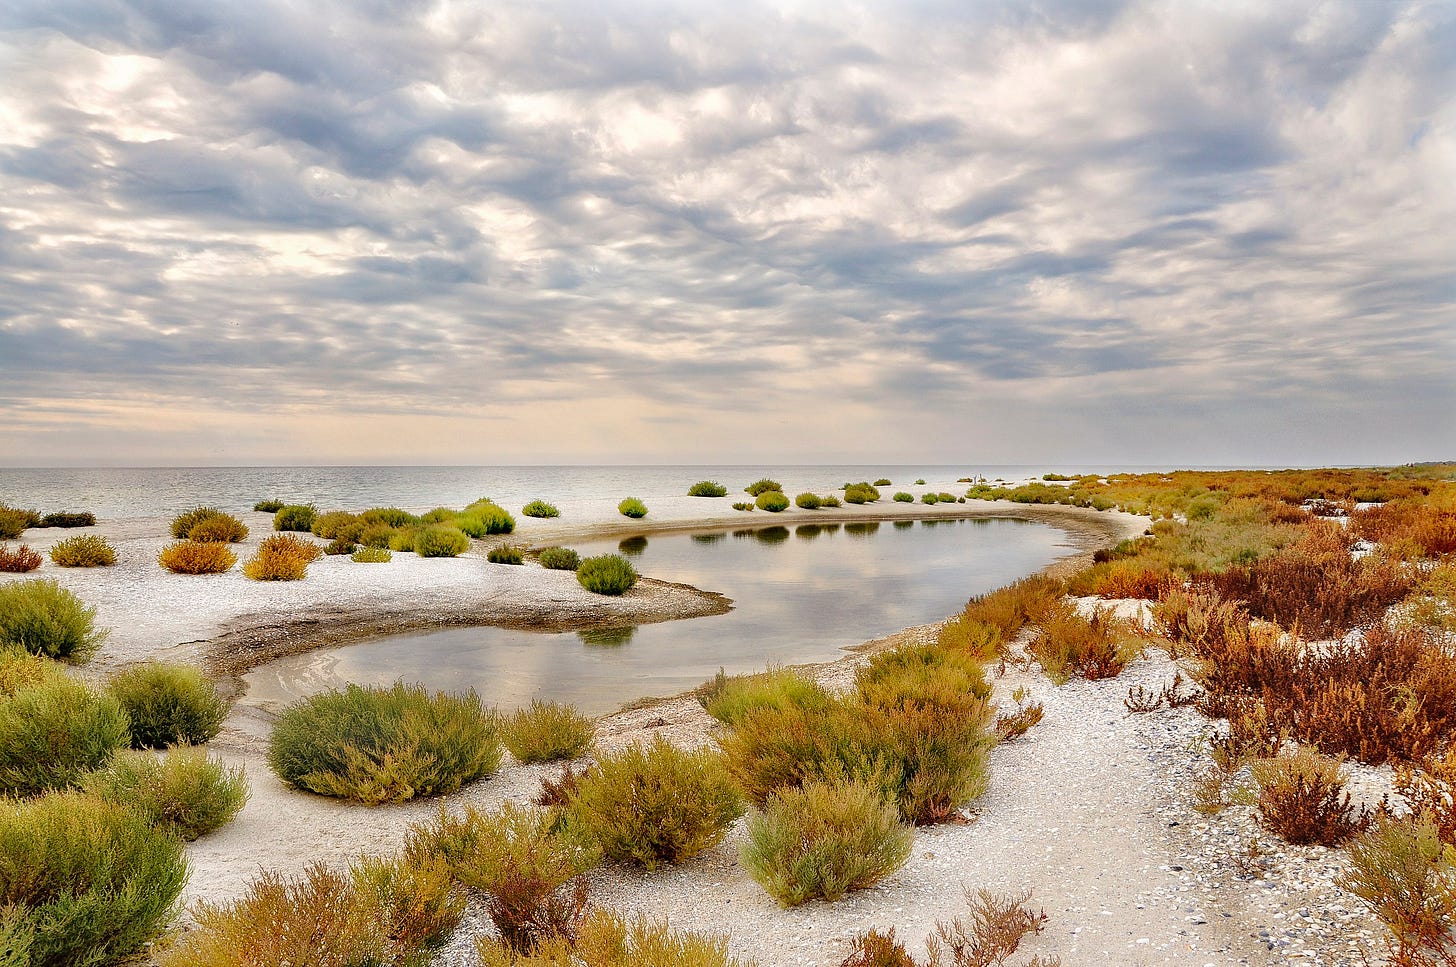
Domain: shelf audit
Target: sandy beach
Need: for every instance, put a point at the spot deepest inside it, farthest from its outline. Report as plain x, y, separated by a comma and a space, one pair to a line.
1090, 810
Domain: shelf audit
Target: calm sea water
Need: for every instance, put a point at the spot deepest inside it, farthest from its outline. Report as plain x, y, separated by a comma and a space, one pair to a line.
800, 595
159, 491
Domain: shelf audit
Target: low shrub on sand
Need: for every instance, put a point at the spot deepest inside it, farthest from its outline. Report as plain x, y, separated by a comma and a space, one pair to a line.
546, 732
506, 554
632, 507
55, 731
438, 541
540, 508
772, 501
1069, 643
743, 505
195, 557
1406, 875
392, 516
340, 546
338, 524
604, 939
184, 790
295, 517
861, 493
168, 704
377, 745
759, 487
728, 698
606, 574
14, 521
44, 618
69, 519
559, 558
823, 840
282, 557
484, 517
656, 804
222, 528
268, 506
183, 523
372, 555
90, 882
901, 497
83, 550
707, 488
18, 561
1302, 798
808, 501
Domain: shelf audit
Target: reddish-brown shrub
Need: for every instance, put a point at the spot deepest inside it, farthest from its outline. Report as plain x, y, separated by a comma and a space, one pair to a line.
1430, 531
1122, 578
1302, 798
1429, 789
875, 949
1068, 643
1199, 621
20, 560
1011, 608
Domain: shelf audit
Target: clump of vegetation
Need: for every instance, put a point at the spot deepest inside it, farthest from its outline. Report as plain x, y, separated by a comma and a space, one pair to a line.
184, 791
44, 618
506, 554
83, 550
295, 517
194, 557
546, 732
760, 487
882, 482
772, 501
223, 528
339, 546
485, 517
87, 881
860, 493
14, 521
829, 500
728, 698
656, 804
929, 499
282, 557
64, 519
18, 561
1302, 798
268, 506
743, 505
606, 574
809, 501
559, 558
707, 488
183, 523
53, 732
338, 525
438, 541
1429, 789
823, 840
539, 508
901, 497
391, 516
603, 939
378, 745
372, 555
632, 507
1403, 871
1091, 647
402, 539
168, 704
997, 925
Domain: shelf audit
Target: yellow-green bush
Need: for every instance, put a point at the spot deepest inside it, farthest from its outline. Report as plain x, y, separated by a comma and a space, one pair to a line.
54, 732
437, 541
772, 501
372, 555
184, 791
632, 507
606, 574
168, 704
729, 697
44, 618
295, 517
219, 528
546, 732
83, 550
559, 558
282, 557
183, 523
336, 524
194, 557
604, 939
540, 508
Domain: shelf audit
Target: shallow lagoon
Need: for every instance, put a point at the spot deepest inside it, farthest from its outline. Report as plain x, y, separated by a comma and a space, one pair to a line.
800, 594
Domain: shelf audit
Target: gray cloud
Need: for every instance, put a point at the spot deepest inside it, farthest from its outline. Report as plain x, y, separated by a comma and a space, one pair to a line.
899, 219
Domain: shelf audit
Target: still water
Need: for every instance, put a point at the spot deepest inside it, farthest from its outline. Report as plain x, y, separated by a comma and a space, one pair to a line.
800, 595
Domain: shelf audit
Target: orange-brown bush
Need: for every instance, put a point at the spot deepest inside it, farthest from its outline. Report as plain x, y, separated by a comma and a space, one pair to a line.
224, 528
1411, 525
1068, 643
194, 557
1199, 621
997, 925
875, 949
1011, 608
1125, 578
282, 557
1302, 798
18, 561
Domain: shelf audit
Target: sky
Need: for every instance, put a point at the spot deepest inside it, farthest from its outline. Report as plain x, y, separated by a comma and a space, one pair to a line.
419, 232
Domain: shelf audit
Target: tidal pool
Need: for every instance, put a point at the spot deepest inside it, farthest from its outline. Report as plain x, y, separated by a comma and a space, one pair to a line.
801, 594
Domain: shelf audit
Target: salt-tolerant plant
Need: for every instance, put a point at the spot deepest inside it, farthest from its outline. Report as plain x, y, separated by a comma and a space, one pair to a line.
340, 546
379, 745
393, 516
772, 501
829, 500
337, 523
604, 939
728, 698
46, 619
220, 528
506, 554
823, 840
18, 561
656, 804
183, 523
546, 732
559, 558
168, 704
282, 557
707, 488
759, 487
14, 521
195, 557
808, 501
929, 499
606, 574
83, 550
437, 541
901, 497
632, 507
68, 519
1406, 875
184, 791
540, 508
1302, 798
54, 732
295, 517
743, 505
402, 539
372, 555
268, 506
485, 517
92, 881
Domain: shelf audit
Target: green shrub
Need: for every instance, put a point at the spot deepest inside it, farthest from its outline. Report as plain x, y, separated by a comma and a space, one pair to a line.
901, 497
184, 791
603, 939
772, 501
657, 804
1406, 875
743, 505
438, 515
63, 519
372, 555
83, 550
606, 574
808, 501
376, 536
633, 508
338, 524
539, 508
823, 840
506, 554
437, 541
168, 704
559, 558
46, 619
55, 731
882, 482
282, 557
268, 506
19, 561
759, 487
295, 517
483, 518
392, 516
93, 881
707, 488
829, 500
403, 539
221, 529
193, 557
929, 499
728, 698
14, 521
183, 523
384, 745
860, 493
340, 546
546, 732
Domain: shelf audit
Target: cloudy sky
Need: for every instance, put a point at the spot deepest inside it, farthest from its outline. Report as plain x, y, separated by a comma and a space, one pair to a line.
411, 231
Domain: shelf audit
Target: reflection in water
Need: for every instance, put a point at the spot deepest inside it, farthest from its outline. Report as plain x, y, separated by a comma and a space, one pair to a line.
710, 538
808, 531
632, 546
793, 601
904, 525
743, 534
608, 637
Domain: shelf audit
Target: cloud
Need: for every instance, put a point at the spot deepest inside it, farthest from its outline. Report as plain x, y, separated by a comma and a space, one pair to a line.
899, 219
